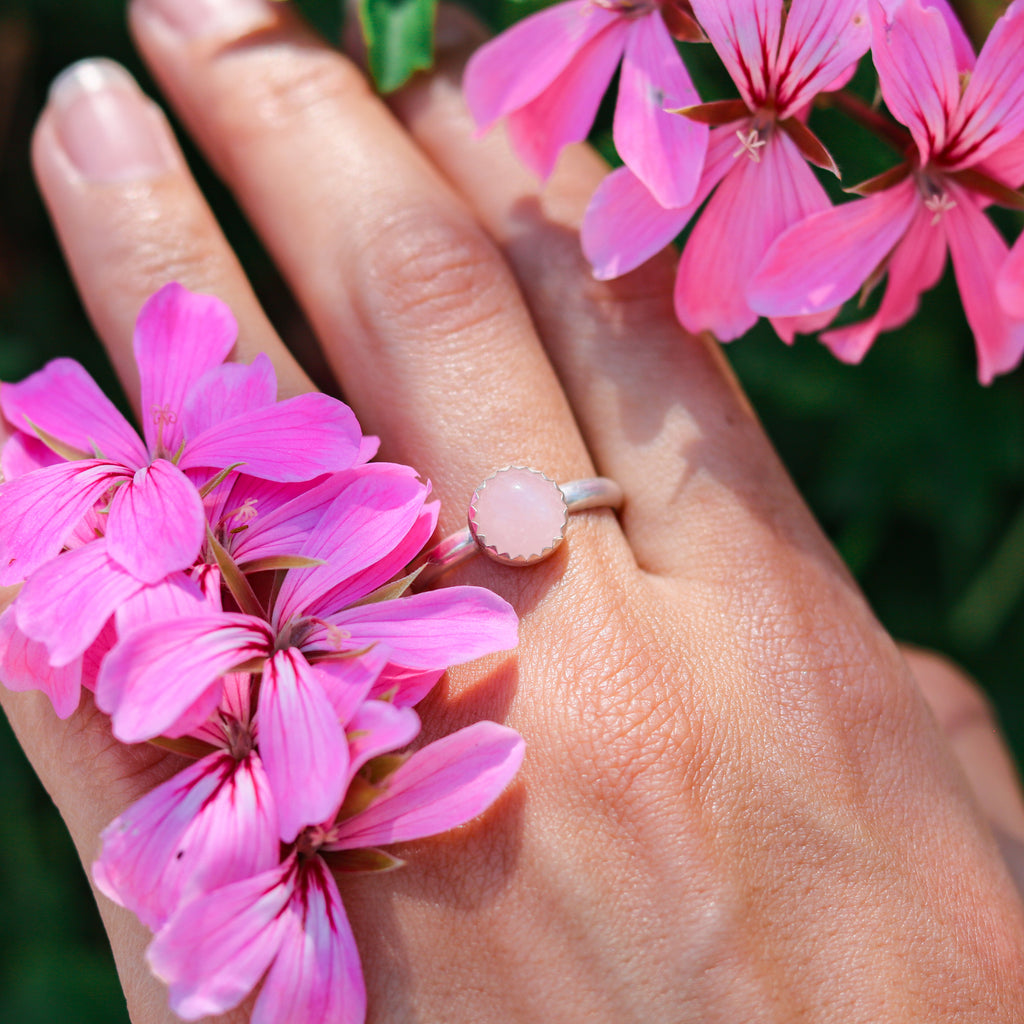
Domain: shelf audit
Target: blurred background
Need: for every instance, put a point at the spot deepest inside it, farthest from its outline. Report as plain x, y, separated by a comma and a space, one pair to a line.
914, 469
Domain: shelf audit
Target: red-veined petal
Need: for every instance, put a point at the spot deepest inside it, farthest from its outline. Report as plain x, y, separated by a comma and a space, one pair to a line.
302, 744
316, 977
823, 260
214, 949
442, 785
917, 71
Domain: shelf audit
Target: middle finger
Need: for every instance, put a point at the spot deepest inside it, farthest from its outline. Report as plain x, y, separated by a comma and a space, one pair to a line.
416, 308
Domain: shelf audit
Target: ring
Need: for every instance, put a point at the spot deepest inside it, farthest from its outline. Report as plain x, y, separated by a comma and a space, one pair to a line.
518, 516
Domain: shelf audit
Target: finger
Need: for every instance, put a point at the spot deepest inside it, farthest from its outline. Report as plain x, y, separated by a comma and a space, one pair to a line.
968, 721
415, 306
130, 217
659, 408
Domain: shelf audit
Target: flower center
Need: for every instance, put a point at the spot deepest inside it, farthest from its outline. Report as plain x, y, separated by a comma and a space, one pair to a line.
162, 416
751, 143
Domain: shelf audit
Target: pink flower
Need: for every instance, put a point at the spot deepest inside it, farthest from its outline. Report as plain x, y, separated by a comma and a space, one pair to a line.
200, 415
756, 164
213, 823
1010, 283
966, 153
546, 75
287, 924
320, 647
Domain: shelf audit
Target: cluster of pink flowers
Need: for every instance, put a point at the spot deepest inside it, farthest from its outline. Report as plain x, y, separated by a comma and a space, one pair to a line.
769, 242
229, 585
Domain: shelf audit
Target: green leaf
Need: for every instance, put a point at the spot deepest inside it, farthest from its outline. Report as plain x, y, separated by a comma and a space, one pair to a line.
399, 38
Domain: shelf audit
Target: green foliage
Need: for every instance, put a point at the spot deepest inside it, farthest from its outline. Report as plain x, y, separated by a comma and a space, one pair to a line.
399, 38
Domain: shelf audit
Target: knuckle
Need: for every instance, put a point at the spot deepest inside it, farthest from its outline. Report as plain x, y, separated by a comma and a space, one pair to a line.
427, 271
286, 96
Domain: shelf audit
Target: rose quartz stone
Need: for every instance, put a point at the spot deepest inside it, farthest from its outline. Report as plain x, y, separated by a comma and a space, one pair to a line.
518, 516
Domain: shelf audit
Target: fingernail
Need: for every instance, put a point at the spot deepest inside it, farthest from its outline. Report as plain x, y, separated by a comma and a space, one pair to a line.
200, 19
108, 129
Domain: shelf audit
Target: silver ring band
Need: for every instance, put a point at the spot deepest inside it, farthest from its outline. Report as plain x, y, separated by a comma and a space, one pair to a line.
576, 496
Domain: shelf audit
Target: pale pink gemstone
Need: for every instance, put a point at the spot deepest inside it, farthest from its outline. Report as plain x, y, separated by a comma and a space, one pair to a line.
518, 516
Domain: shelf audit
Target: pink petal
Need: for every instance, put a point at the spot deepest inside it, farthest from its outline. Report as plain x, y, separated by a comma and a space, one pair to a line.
38, 511
1006, 164
297, 439
214, 949
434, 629
302, 744
211, 824
404, 687
176, 597
823, 260
745, 34
916, 265
64, 401
179, 336
991, 113
66, 602
365, 582
963, 49
564, 112
24, 453
917, 71
788, 327
820, 43
979, 251
366, 521
754, 204
625, 226
379, 728
25, 665
1010, 283
227, 391
156, 524
665, 151
509, 71
347, 682
317, 976
93, 658
156, 673
440, 787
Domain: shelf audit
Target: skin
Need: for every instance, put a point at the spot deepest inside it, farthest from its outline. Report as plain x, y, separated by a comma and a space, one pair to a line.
741, 801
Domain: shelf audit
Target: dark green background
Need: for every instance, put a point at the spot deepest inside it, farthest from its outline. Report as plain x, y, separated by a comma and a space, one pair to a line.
915, 470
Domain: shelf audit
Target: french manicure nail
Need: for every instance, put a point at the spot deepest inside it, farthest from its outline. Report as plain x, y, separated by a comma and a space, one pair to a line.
201, 19
107, 128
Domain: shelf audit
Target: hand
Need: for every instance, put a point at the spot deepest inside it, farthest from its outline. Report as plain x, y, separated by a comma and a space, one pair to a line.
736, 804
